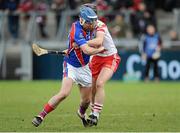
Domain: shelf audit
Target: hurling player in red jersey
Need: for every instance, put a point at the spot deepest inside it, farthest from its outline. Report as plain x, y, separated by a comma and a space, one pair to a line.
103, 65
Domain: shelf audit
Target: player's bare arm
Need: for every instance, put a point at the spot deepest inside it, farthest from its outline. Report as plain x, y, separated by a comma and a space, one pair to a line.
89, 47
98, 41
90, 50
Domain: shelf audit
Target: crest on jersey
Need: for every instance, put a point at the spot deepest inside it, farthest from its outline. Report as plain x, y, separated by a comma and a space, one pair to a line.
81, 35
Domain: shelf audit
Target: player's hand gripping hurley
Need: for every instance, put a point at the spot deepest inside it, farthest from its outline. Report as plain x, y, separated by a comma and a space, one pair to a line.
41, 51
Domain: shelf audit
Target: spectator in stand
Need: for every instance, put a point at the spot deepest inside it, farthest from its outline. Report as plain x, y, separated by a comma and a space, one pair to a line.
118, 27
169, 5
58, 6
173, 35
13, 17
151, 6
151, 49
102, 7
122, 4
140, 19
2, 5
26, 6
41, 8
124, 7
136, 3
73, 5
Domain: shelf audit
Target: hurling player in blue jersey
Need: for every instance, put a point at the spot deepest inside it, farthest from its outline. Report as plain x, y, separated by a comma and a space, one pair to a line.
75, 66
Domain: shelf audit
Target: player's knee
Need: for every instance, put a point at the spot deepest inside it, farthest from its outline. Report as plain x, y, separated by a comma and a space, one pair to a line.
99, 84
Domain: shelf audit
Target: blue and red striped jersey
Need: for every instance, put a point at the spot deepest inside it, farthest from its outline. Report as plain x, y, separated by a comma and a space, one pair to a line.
76, 57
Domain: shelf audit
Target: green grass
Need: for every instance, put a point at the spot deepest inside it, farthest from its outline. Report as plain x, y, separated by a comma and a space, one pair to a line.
128, 107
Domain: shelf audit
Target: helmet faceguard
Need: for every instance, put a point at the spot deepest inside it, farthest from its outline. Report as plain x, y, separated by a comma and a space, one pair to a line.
83, 21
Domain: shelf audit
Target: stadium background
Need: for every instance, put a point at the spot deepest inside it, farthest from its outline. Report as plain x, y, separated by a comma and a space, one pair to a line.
47, 23
137, 106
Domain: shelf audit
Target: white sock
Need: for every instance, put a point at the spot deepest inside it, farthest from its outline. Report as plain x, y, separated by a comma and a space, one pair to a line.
96, 114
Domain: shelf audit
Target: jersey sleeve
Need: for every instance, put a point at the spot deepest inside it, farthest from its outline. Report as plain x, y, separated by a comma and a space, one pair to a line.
79, 38
101, 26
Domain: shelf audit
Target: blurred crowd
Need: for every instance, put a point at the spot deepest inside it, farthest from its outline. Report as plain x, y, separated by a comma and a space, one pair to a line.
125, 18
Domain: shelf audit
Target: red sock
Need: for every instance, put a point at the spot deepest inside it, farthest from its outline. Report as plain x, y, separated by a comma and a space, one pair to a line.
47, 109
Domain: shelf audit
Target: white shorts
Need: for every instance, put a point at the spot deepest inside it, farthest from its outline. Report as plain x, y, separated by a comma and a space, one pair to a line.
81, 75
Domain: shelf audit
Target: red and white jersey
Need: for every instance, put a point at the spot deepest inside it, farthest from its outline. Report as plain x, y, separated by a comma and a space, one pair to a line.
108, 43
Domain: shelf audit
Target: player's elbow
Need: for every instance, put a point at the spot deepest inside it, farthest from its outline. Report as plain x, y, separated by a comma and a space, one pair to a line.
87, 51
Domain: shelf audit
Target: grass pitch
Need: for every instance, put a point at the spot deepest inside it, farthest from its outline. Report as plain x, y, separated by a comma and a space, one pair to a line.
128, 107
